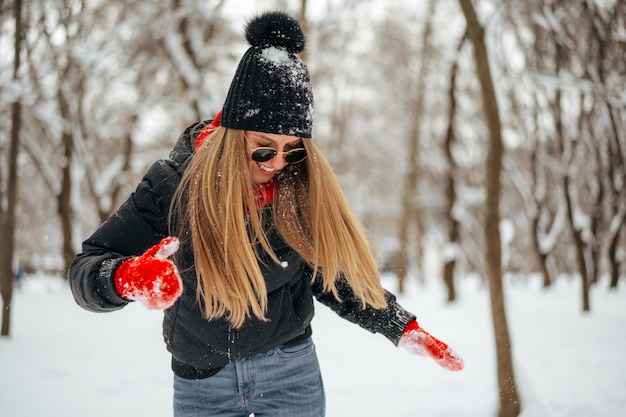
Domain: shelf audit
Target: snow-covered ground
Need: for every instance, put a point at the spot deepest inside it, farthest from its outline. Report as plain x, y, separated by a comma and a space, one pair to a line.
64, 361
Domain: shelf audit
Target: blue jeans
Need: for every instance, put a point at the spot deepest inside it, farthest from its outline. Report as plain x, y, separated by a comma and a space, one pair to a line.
284, 382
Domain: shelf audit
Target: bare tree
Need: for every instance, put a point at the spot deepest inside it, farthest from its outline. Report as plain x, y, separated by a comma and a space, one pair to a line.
510, 405
547, 211
547, 224
454, 225
573, 65
59, 81
304, 24
410, 215
7, 215
608, 60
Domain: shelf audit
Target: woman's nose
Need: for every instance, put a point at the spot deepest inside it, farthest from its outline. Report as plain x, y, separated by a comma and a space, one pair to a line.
278, 162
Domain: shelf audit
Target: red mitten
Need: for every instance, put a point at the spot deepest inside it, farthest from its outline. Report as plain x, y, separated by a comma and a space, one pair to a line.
419, 342
151, 278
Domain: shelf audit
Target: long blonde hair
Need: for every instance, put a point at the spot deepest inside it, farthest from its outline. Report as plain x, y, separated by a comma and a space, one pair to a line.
215, 203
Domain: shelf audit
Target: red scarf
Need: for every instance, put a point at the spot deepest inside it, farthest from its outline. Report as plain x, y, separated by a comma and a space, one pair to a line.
264, 194
208, 129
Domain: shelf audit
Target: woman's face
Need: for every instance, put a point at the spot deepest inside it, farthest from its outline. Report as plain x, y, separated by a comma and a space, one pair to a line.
262, 172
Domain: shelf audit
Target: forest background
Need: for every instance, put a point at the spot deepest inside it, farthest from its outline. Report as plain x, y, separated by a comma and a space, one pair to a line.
98, 90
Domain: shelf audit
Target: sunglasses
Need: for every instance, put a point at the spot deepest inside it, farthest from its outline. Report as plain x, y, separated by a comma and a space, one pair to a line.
264, 154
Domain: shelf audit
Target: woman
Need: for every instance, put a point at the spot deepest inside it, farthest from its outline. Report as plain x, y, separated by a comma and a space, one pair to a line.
262, 226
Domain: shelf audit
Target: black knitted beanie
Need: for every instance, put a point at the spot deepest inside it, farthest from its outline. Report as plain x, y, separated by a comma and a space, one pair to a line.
271, 91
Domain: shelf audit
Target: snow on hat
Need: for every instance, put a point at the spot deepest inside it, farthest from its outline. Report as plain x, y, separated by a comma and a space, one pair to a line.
271, 91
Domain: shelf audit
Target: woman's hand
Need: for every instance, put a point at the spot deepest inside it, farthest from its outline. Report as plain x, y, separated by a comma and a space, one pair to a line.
419, 342
151, 278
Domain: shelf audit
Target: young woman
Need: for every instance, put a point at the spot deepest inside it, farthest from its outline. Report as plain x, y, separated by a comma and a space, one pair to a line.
262, 226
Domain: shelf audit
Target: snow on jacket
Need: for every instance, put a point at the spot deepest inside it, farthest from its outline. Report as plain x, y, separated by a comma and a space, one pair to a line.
201, 347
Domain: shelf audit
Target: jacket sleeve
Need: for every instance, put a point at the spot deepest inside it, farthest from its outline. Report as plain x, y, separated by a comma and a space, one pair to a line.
389, 321
139, 223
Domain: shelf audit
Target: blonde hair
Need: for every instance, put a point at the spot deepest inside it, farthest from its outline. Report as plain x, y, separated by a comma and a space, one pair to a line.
215, 203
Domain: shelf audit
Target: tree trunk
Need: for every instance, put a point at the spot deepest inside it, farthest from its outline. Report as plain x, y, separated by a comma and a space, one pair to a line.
409, 211
451, 196
410, 187
617, 172
614, 262
597, 214
304, 24
509, 400
7, 219
64, 205
541, 255
568, 191
579, 244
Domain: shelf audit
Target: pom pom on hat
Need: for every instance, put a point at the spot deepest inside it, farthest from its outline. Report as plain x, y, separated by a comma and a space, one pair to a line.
271, 90
275, 29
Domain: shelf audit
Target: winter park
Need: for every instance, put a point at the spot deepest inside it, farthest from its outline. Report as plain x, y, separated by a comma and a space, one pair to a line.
478, 145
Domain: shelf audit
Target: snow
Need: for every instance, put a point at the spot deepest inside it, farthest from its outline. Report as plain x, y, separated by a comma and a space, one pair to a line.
276, 55
167, 248
62, 360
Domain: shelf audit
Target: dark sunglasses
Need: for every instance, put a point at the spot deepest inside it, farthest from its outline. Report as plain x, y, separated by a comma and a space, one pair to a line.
264, 154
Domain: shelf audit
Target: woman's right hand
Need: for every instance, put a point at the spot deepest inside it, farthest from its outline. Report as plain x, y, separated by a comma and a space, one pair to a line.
151, 278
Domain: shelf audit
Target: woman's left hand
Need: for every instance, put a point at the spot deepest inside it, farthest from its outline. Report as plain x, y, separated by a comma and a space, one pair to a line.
419, 342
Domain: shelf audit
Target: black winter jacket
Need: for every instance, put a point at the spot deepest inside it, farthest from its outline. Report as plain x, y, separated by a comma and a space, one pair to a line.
201, 347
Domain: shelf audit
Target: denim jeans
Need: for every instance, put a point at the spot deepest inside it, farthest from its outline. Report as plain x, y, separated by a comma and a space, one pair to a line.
284, 382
